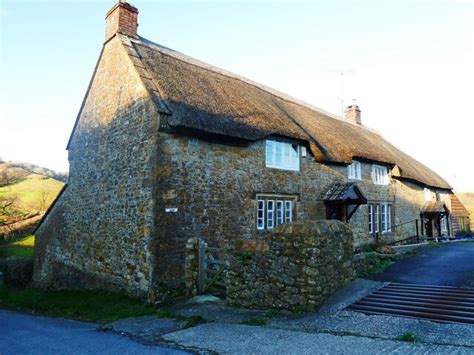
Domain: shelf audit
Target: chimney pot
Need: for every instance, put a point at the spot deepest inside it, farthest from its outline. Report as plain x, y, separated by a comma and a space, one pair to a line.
122, 18
352, 113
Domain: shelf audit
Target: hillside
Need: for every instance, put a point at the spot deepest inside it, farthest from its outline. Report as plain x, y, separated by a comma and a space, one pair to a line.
467, 199
24, 196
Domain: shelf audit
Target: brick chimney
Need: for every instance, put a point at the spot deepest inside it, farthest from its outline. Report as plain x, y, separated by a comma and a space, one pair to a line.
352, 114
122, 18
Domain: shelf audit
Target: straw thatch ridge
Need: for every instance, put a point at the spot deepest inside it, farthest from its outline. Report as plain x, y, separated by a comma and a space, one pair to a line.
202, 97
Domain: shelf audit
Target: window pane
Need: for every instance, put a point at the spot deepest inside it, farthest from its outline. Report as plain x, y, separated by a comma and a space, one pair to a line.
389, 217
278, 153
279, 209
260, 214
371, 219
377, 218
270, 157
384, 218
358, 174
282, 155
288, 212
270, 213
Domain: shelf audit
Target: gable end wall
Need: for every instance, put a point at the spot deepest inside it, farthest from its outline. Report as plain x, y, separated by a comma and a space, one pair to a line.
97, 235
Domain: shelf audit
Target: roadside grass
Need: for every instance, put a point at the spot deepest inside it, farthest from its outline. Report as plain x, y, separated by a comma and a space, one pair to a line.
95, 306
375, 264
22, 248
408, 337
256, 322
194, 321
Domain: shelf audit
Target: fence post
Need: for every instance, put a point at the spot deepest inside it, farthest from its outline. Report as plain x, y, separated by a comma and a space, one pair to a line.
201, 266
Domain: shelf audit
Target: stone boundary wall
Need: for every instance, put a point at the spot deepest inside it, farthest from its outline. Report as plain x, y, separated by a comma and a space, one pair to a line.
296, 267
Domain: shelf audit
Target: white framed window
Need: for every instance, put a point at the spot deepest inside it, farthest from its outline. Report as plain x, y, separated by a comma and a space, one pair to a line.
273, 210
386, 217
279, 212
288, 211
427, 193
444, 225
371, 219
354, 170
379, 175
377, 218
270, 213
260, 214
282, 155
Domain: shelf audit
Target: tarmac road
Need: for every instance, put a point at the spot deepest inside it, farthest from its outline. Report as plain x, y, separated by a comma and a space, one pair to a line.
451, 264
27, 334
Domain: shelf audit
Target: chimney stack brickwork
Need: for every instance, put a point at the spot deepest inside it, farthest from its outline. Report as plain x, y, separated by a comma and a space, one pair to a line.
122, 18
352, 113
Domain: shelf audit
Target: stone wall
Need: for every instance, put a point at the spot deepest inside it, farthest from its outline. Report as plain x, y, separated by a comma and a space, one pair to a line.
97, 235
214, 187
305, 263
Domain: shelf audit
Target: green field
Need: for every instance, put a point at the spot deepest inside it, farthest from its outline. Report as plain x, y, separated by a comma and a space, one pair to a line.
21, 248
31, 190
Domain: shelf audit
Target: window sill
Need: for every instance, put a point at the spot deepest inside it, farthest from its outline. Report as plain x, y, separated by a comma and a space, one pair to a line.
280, 168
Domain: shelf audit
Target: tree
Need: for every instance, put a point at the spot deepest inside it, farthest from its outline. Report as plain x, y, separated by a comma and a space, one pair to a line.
8, 176
8, 210
44, 201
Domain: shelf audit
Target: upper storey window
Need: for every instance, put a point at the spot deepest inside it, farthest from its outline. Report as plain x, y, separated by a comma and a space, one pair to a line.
282, 155
427, 194
354, 170
379, 175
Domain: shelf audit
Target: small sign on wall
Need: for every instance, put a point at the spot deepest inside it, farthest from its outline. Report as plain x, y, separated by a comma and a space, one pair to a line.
171, 210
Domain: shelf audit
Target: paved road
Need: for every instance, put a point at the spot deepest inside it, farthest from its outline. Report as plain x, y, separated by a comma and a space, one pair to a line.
25, 334
447, 265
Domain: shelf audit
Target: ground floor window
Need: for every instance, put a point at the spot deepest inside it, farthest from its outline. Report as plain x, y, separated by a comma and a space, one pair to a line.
274, 210
380, 218
444, 225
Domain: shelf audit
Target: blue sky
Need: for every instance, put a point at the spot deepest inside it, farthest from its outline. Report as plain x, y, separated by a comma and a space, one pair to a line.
409, 65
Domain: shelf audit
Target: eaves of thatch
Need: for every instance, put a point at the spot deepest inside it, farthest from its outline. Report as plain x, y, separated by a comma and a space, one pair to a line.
199, 97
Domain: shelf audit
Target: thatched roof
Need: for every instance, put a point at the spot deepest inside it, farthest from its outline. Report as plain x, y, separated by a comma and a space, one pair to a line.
208, 99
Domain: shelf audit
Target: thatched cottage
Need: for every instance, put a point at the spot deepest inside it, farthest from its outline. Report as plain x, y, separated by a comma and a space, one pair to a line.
166, 147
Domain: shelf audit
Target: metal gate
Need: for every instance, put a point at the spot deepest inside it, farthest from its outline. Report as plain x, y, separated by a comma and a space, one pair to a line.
436, 303
211, 269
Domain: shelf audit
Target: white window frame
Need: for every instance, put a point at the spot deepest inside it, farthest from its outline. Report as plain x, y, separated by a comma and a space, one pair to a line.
379, 175
371, 219
273, 210
427, 192
270, 214
288, 211
279, 212
354, 170
377, 218
386, 217
444, 224
260, 214
282, 155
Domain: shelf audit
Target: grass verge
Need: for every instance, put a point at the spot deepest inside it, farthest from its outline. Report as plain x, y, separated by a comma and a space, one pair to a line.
95, 306
375, 264
408, 337
257, 322
22, 248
